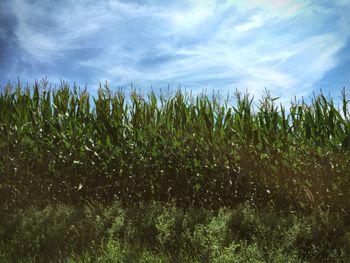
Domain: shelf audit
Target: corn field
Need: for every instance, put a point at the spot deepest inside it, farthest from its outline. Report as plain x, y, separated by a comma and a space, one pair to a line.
62, 145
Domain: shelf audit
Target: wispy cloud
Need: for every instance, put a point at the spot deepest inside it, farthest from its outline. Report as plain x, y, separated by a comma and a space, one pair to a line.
255, 21
286, 46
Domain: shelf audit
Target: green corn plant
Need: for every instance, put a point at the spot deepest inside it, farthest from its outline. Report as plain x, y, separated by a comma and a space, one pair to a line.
61, 144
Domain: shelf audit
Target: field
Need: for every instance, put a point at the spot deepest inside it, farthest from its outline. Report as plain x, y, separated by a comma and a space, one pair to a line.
172, 178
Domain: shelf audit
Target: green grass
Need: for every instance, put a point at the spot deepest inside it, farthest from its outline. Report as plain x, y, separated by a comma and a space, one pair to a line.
203, 179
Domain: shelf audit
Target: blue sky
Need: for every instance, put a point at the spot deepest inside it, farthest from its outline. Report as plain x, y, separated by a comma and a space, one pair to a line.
290, 47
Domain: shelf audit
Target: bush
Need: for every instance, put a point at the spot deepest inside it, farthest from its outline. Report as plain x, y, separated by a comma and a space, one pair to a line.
161, 232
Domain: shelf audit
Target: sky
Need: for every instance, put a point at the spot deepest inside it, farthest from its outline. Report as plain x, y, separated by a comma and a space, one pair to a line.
289, 47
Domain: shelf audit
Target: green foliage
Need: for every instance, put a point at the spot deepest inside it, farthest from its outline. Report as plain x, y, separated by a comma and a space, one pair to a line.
194, 151
213, 164
169, 234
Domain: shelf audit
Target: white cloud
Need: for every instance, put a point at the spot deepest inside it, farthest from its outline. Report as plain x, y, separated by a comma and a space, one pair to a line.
69, 25
254, 22
294, 9
273, 8
198, 12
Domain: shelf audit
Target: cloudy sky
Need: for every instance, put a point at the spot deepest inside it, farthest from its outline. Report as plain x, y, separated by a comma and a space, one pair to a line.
290, 47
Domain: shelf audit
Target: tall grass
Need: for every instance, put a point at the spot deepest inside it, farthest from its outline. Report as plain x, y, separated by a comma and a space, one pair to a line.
60, 145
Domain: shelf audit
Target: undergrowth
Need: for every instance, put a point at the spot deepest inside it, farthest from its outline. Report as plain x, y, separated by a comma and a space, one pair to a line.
160, 232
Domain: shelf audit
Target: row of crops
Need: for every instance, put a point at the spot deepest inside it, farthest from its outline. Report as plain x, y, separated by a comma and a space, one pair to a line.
62, 145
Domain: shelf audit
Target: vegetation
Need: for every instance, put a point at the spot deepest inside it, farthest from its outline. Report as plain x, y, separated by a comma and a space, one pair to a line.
163, 233
171, 178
